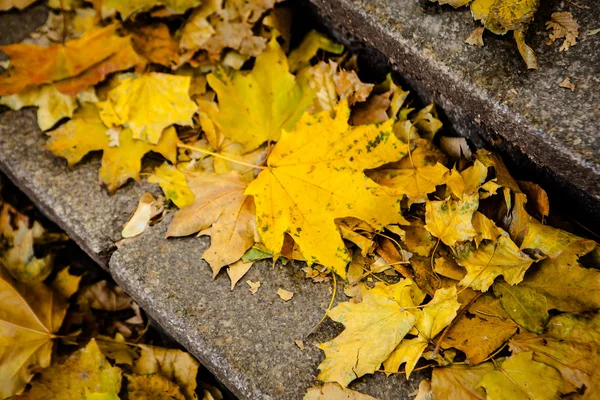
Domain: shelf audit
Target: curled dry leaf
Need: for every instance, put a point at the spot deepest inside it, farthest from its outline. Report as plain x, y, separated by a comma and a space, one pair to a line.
563, 26
254, 286
105, 296
140, 220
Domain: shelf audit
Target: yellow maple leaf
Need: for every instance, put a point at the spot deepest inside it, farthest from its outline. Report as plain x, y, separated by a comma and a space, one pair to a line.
221, 210
128, 7
414, 182
492, 259
149, 103
255, 107
315, 174
520, 377
30, 316
451, 220
65, 381
52, 104
430, 321
374, 327
86, 132
173, 183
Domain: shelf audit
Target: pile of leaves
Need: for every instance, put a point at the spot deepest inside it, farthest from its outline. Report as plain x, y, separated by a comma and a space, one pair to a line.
283, 152
80, 335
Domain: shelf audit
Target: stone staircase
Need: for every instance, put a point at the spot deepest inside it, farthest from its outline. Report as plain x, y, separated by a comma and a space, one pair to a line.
548, 133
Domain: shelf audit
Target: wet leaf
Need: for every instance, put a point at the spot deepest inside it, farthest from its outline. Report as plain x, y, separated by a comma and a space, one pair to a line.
256, 107
327, 172
374, 327
221, 210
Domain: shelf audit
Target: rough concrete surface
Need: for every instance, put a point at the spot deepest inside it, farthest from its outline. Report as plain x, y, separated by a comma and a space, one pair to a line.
246, 340
551, 133
71, 197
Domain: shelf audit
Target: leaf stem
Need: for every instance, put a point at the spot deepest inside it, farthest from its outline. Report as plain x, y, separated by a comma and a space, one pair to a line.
217, 155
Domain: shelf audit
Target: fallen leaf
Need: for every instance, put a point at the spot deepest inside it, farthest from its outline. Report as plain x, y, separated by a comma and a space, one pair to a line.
58, 61
427, 122
152, 386
285, 295
333, 391
372, 111
302, 165
456, 147
237, 270
449, 268
374, 327
299, 343
491, 260
65, 283
149, 103
526, 52
424, 392
175, 365
576, 362
417, 239
311, 44
537, 198
197, 30
430, 320
415, 182
156, 44
254, 108
520, 375
476, 37
173, 184
117, 349
52, 104
349, 86
65, 381
86, 132
486, 228
575, 328
140, 219
567, 84
451, 220
482, 329
30, 318
221, 210
503, 177
563, 26
459, 382
104, 296
320, 78
127, 8
17, 247
254, 286
18, 4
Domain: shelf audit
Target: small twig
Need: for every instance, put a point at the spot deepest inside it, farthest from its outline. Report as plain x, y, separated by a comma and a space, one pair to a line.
210, 153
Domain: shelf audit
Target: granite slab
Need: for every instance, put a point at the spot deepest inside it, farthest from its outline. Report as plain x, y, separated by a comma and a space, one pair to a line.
245, 340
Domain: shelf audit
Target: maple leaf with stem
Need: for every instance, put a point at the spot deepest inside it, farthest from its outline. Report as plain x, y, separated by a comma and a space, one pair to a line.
314, 175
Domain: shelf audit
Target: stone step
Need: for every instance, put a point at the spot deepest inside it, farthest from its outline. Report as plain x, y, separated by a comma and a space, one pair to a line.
544, 132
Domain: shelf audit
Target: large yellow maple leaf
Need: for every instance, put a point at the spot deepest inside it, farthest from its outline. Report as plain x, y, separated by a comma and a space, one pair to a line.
315, 174
86, 132
149, 103
29, 318
221, 210
374, 327
34, 65
255, 107
430, 321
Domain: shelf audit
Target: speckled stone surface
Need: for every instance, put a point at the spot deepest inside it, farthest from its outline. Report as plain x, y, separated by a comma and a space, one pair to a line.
550, 133
246, 340
15, 25
71, 197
